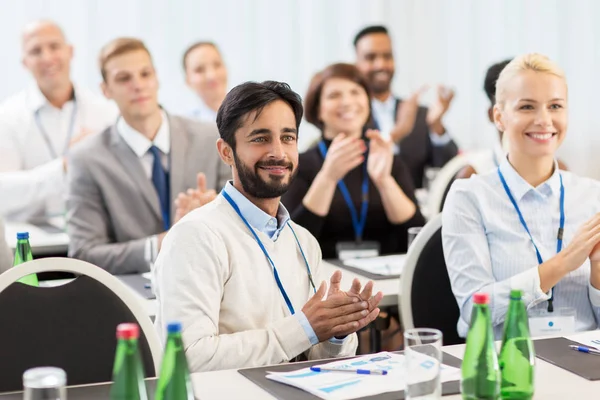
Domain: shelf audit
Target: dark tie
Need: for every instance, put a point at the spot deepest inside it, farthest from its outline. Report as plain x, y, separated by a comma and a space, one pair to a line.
160, 179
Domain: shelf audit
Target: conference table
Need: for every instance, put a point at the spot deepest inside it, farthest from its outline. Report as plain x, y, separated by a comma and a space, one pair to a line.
551, 383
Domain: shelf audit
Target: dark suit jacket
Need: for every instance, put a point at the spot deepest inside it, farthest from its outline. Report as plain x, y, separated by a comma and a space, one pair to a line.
417, 151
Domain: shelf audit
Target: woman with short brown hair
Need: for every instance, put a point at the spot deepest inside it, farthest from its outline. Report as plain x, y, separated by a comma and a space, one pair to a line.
350, 188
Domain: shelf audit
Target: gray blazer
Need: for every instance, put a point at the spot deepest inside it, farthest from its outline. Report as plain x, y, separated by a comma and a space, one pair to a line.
112, 205
6, 257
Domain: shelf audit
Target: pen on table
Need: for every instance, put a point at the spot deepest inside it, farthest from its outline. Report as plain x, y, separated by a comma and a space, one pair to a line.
354, 371
147, 286
584, 349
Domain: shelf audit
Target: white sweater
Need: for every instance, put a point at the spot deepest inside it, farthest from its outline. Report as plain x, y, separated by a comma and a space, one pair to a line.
212, 276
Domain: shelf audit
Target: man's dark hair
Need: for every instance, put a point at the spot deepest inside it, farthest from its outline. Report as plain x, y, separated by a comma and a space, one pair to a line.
368, 31
194, 47
489, 85
253, 97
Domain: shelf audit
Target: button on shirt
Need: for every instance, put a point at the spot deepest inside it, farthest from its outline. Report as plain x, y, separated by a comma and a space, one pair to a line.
384, 113
32, 181
487, 248
140, 145
272, 227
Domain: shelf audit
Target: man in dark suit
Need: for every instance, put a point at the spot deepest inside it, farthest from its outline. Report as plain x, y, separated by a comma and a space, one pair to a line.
124, 182
419, 133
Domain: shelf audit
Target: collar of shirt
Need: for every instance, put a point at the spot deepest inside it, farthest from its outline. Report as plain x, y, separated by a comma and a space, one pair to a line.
519, 187
139, 143
257, 218
36, 99
384, 107
204, 112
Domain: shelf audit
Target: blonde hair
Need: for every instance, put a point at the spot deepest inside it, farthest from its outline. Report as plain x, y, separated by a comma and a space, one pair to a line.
527, 62
118, 47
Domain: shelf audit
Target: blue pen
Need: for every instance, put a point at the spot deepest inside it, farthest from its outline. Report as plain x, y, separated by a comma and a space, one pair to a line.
354, 371
147, 286
584, 349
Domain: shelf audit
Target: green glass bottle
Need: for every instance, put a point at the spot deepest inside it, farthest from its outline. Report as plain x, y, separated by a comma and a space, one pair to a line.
517, 356
128, 371
480, 370
174, 382
22, 255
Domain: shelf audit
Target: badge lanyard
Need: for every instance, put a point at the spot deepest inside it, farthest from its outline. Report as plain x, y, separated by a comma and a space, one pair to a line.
46, 137
561, 228
264, 250
358, 224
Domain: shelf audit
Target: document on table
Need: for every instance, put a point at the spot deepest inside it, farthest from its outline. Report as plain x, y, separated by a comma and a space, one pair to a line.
590, 339
382, 265
348, 385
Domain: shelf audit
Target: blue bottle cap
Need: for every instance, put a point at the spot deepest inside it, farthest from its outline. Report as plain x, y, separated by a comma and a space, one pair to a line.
22, 235
174, 327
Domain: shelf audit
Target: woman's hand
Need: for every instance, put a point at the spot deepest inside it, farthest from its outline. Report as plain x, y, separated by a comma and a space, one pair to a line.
381, 157
344, 154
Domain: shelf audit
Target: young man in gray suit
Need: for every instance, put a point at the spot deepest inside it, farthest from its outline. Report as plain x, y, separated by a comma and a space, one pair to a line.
124, 182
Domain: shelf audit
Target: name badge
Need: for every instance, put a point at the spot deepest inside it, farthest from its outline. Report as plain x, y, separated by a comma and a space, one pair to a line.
559, 322
346, 250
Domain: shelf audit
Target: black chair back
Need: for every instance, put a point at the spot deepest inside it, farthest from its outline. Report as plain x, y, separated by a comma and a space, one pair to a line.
447, 190
433, 303
72, 326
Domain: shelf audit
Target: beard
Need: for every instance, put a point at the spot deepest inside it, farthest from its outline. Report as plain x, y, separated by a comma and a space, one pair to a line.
377, 85
258, 188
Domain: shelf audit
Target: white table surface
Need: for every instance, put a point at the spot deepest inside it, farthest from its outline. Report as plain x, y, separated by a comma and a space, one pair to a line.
42, 242
551, 383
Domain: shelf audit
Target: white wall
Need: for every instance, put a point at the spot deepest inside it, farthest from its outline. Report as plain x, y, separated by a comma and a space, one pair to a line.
447, 41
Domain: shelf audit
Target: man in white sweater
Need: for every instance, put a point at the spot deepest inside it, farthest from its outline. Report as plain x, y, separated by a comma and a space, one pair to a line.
237, 273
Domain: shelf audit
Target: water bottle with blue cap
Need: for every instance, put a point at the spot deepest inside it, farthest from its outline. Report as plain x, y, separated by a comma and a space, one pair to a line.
22, 255
174, 382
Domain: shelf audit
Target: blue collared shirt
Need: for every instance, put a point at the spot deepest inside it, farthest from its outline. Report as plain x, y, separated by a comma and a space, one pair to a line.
488, 250
257, 218
272, 227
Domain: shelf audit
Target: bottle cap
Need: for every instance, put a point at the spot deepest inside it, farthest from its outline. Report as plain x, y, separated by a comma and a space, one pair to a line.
516, 294
44, 378
174, 327
128, 331
22, 235
481, 298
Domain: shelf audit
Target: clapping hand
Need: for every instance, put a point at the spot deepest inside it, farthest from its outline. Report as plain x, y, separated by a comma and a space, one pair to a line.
194, 198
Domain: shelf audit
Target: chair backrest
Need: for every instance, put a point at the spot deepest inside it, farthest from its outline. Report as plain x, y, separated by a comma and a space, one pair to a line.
426, 299
480, 160
71, 326
442, 182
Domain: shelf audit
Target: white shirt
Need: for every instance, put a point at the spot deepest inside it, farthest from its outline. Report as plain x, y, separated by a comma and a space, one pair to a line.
488, 250
203, 112
32, 179
140, 145
213, 277
384, 113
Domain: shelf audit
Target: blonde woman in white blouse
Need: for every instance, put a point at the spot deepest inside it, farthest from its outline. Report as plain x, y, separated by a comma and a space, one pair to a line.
505, 229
